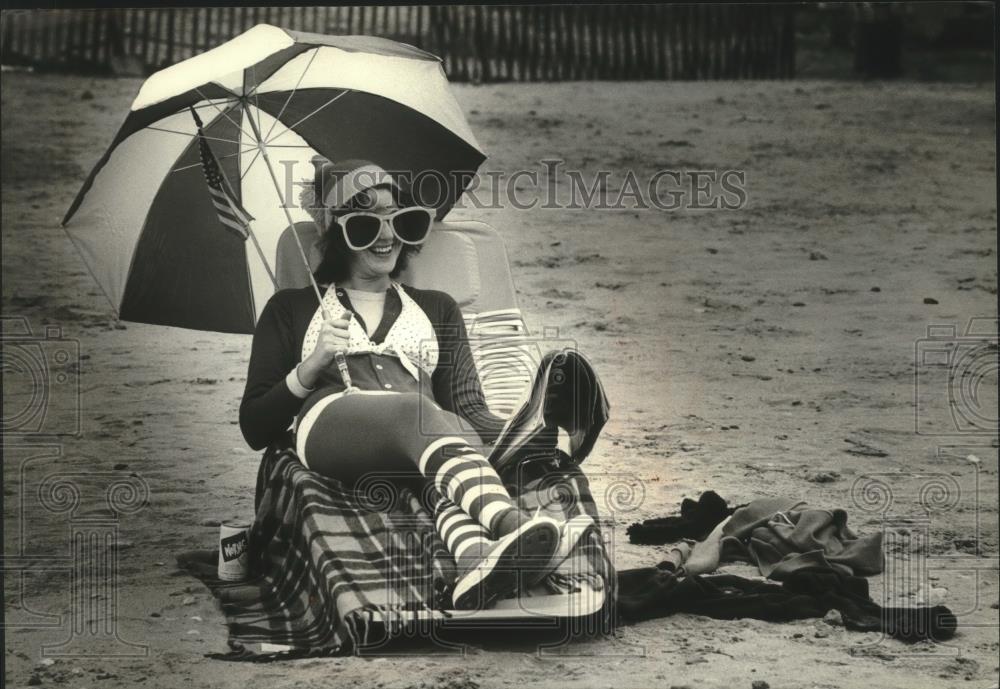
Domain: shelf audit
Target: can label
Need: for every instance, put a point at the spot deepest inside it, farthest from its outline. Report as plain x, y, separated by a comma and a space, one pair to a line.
233, 551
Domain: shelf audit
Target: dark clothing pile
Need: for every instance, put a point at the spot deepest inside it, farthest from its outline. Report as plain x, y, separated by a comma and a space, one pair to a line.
696, 521
650, 592
781, 535
819, 561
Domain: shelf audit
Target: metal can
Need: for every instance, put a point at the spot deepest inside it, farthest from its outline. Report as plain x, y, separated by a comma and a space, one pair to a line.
233, 541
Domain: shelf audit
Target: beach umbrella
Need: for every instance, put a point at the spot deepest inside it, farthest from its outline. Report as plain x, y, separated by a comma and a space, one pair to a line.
179, 223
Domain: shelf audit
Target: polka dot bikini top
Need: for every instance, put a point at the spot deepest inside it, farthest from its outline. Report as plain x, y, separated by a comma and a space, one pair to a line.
411, 338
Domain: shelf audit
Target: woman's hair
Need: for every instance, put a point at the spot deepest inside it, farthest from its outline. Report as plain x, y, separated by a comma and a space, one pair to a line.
336, 264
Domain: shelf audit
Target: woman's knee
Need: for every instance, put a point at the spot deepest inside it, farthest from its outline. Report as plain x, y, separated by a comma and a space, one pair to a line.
427, 422
406, 405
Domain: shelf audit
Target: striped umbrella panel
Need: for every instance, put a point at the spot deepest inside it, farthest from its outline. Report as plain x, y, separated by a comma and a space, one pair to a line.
186, 269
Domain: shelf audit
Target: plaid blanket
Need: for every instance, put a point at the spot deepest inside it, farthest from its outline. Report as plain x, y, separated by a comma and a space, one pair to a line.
336, 572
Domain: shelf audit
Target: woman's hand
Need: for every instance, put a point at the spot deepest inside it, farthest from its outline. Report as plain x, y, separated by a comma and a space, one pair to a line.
332, 338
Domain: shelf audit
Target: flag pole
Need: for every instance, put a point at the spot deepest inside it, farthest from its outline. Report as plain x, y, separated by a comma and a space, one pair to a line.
246, 225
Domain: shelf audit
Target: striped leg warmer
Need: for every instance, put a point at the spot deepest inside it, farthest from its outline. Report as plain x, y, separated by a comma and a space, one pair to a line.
463, 474
466, 538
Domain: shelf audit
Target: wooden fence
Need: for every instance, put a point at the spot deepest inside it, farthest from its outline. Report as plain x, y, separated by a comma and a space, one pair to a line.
479, 43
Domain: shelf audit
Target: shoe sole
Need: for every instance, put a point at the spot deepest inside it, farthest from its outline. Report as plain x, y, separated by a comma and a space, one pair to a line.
555, 412
570, 535
513, 435
502, 572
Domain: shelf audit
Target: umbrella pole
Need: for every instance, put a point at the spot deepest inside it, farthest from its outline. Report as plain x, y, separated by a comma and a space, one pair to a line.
288, 216
260, 252
339, 357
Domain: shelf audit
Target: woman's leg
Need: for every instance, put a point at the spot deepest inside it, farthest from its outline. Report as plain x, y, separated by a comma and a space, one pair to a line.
350, 436
466, 539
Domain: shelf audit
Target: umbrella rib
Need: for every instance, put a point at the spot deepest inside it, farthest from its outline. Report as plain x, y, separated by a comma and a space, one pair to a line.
249, 229
189, 134
292, 93
291, 127
288, 146
253, 160
208, 104
253, 92
221, 111
246, 170
246, 110
218, 157
250, 232
256, 95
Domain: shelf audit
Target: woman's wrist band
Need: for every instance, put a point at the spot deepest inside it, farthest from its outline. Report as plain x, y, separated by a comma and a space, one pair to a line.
294, 383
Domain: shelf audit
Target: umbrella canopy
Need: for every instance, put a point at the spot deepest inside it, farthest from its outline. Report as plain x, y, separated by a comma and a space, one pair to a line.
270, 99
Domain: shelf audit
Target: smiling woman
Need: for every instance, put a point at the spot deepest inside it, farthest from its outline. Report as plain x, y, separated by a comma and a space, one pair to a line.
368, 234
357, 376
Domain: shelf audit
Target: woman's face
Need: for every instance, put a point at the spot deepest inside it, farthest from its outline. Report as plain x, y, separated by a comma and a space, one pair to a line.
379, 259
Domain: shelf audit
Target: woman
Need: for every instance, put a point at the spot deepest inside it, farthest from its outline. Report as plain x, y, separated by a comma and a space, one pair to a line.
418, 408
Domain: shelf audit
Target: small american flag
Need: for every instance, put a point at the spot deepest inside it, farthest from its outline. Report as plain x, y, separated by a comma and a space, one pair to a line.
232, 215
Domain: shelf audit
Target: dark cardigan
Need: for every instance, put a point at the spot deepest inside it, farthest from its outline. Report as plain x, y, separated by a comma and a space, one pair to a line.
269, 407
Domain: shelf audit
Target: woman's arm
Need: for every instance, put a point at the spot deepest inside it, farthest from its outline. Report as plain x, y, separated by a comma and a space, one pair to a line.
269, 404
457, 387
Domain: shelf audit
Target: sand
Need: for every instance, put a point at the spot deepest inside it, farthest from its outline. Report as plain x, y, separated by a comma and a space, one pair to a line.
762, 351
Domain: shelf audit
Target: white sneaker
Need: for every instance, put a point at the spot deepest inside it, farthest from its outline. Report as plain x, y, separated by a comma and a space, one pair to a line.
510, 562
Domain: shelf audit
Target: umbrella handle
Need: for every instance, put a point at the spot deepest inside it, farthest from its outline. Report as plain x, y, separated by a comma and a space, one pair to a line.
345, 374
339, 357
